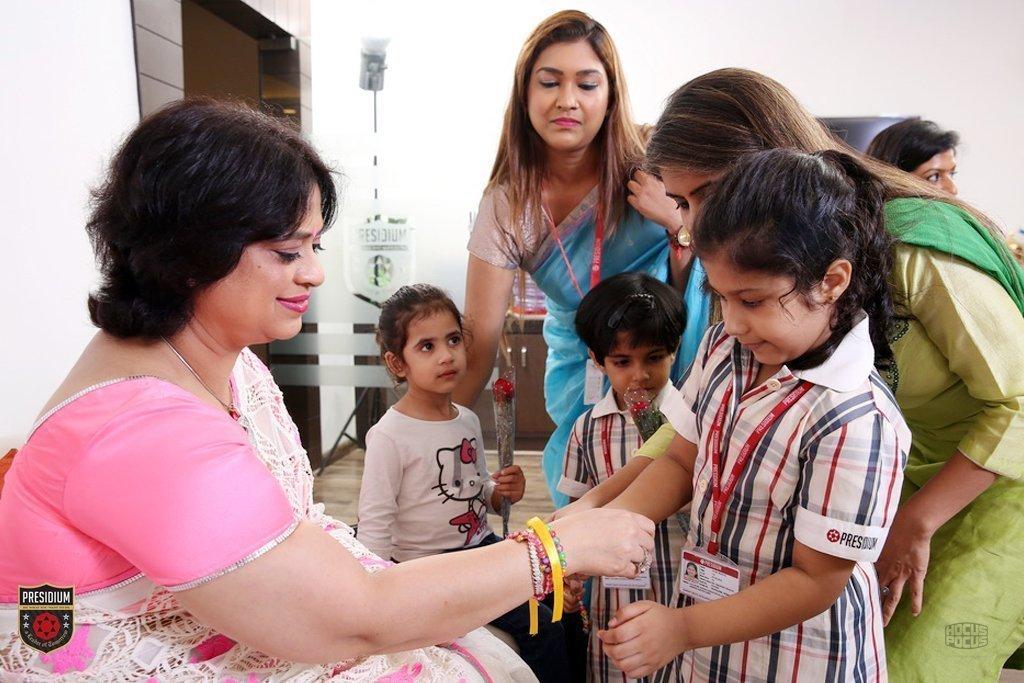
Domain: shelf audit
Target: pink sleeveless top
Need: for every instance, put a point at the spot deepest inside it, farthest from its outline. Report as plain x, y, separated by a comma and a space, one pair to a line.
135, 488
135, 476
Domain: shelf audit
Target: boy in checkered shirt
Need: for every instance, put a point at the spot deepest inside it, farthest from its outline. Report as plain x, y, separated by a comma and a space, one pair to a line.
631, 324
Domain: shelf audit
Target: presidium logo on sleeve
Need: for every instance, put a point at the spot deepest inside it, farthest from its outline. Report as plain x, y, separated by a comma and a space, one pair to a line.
851, 540
46, 616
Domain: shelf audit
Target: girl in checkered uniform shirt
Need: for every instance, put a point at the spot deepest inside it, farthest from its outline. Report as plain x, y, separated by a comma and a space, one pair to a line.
789, 445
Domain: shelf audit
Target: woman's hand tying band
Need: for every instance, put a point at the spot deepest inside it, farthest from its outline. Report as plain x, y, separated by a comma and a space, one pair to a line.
603, 542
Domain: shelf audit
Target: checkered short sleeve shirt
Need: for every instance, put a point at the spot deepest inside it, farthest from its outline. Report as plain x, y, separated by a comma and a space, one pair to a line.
827, 473
603, 440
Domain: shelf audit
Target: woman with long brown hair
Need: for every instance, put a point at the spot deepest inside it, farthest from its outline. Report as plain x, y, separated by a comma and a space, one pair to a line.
563, 206
957, 542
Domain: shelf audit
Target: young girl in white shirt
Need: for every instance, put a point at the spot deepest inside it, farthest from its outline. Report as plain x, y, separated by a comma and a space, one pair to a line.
789, 444
426, 488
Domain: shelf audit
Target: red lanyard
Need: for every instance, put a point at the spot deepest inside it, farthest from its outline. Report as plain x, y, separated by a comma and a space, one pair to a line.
606, 446
595, 261
719, 492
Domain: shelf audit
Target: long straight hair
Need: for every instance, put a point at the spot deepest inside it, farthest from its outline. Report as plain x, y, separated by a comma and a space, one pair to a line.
519, 167
712, 121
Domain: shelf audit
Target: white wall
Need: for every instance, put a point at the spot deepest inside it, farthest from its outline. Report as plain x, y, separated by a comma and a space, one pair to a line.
69, 70
69, 75
450, 72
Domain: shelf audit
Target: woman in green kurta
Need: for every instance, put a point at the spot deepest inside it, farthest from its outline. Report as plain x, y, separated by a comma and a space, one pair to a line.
959, 379
957, 542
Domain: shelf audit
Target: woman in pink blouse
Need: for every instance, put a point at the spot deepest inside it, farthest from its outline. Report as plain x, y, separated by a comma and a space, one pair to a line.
165, 482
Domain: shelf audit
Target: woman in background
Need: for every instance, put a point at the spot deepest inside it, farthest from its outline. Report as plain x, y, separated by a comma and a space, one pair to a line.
563, 206
955, 552
919, 147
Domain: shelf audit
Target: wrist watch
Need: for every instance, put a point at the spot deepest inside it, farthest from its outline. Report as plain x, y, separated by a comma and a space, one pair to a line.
683, 237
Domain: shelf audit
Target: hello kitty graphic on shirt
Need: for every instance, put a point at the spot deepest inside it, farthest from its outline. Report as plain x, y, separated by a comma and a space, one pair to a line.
462, 479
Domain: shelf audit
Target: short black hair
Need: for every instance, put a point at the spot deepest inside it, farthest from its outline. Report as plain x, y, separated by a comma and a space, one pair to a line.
192, 186
908, 144
645, 309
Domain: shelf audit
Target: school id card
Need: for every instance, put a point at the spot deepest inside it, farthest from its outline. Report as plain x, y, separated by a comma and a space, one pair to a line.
593, 384
641, 582
706, 577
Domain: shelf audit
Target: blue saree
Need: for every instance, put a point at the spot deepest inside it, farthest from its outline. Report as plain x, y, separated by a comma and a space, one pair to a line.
636, 244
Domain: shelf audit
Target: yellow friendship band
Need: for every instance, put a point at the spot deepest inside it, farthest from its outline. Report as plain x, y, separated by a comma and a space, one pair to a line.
541, 529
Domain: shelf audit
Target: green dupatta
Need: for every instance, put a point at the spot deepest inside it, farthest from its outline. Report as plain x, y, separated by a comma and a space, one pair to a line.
934, 224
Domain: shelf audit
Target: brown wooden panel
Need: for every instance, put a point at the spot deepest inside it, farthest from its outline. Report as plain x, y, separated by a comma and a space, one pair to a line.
529, 354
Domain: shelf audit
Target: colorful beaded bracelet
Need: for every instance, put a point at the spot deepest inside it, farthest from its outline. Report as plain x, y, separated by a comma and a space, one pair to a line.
547, 567
536, 552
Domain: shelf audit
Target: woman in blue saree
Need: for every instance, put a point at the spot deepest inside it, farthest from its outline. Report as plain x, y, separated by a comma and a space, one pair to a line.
565, 205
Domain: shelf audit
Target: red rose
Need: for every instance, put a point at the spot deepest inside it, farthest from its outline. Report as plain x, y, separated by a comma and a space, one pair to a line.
503, 389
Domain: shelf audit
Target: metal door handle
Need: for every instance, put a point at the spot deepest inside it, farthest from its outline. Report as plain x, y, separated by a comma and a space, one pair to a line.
522, 357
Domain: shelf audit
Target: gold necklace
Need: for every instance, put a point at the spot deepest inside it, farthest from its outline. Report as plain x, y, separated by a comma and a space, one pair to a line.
230, 407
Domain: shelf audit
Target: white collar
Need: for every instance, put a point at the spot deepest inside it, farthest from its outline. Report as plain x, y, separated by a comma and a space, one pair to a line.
608, 406
849, 365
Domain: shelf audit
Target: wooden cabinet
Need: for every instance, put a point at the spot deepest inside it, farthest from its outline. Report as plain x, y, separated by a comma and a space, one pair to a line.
528, 352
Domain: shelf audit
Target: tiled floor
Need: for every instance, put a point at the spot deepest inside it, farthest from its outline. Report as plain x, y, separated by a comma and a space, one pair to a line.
338, 489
